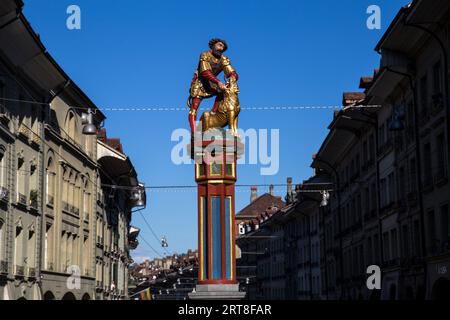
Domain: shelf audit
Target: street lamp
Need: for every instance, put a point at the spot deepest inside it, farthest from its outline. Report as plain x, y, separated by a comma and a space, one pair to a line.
325, 197
87, 120
397, 120
164, 243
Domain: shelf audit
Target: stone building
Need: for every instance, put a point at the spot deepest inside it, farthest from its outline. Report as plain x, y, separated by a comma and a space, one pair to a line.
387, 158
50, 175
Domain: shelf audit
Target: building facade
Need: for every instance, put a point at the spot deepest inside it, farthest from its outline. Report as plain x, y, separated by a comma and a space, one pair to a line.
386, 159
50, 177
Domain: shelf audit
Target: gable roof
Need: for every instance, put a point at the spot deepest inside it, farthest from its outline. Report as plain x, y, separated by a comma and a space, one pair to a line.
260, 205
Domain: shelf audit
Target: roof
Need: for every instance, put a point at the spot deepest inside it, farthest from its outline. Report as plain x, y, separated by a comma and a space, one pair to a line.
260, 205
365, 82
22, 49
349, 98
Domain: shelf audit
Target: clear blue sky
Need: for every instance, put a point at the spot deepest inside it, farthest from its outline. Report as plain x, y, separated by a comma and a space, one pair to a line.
142, 53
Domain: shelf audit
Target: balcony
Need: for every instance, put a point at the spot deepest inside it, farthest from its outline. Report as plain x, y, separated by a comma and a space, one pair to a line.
3, 267
24, 131
34, 199
22, 199
19, 271
65, 206
31, 272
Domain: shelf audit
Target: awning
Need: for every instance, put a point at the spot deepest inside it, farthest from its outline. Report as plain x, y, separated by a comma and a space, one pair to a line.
117, 165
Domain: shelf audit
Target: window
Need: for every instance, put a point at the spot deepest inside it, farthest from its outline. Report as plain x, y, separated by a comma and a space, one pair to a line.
48, 247
412, 175
394, 244
50, 182
417, 235
71, 127
383, 192
437, 74
386, 246
405, 241
431, 229
369, 250
376, 242
382, 134
424, 94
3, 167
445, 224
391, 188
1, 241
402, 182
372, 147
18, 248
427, 164
31, 245
33, 185
20, 180
440, 145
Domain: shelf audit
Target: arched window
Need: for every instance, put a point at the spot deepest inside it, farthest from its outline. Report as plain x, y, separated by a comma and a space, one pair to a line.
20, 179
2, 246
71, 127
50, 182
48, 247
88, 145
3, 167
18, 249
87, 198
33, 185
77, 195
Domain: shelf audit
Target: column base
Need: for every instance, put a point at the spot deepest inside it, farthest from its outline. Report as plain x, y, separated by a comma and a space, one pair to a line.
217, 292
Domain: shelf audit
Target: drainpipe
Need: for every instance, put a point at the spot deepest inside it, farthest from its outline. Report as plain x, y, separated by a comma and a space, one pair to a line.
418, 170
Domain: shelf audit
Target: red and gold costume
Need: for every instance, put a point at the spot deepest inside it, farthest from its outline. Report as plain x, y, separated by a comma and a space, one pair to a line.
205, 83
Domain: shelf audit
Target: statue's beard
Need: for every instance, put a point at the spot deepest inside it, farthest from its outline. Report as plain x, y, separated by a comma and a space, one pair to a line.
217, 53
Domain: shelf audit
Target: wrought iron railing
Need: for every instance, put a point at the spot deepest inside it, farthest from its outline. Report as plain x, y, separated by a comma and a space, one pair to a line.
4, 194
31, 272
19, 270
22, 199
3, 267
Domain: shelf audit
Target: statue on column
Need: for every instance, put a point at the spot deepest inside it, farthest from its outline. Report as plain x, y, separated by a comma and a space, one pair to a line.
205, 84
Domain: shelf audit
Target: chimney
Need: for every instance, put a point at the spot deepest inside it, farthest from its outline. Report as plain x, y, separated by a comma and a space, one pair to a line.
271, 190
253, 194
289, 185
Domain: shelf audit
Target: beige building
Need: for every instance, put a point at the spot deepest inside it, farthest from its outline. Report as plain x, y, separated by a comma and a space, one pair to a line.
53, 212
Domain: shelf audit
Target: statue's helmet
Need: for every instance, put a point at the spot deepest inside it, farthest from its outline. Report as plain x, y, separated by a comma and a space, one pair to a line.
212, 42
